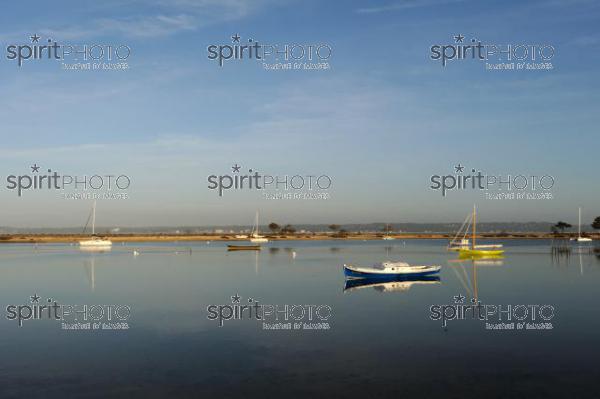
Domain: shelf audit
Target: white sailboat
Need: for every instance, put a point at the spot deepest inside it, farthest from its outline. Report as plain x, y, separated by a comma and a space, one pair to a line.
387, 236
94, 242
579, 237
460, 240
255, 236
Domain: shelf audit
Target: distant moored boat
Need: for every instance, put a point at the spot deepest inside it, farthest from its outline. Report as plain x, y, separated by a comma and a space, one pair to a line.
579, 237
387, 236
477, 250
255, 237
243, 247
94, 242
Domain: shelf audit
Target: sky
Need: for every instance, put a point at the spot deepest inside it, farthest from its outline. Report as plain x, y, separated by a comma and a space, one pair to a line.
380, 121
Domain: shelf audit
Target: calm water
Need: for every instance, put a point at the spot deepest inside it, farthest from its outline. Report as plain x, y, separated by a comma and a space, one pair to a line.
381, 340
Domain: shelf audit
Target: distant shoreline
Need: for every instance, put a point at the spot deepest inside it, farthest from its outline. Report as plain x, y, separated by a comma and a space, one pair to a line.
70, 238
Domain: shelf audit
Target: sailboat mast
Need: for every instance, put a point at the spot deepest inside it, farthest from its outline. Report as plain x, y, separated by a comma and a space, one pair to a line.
94, 218
474, 223
579, 225
256, 222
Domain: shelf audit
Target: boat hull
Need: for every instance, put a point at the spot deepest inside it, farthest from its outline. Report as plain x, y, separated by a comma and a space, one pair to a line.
354, 273
243, 247
95, 243
481, 252
581, 239
259, 240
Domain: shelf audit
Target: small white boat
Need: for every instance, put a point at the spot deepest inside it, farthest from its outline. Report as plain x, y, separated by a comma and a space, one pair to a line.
460, 240
457, 245
94, 242
387, 235
465, 245
255, 236
461, 243
97, 248
258, 239
579, 237
241, 236
389, 270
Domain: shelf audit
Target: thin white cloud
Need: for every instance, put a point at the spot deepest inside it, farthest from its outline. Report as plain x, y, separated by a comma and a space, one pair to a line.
291, 118
56, 151
586, 41
404, 5
148, 26
162, 18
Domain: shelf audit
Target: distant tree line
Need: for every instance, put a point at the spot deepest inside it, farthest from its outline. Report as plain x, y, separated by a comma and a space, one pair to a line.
277, 229
289, 229
560, 226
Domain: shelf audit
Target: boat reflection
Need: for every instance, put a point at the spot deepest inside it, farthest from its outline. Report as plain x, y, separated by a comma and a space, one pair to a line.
482, 260
90, 271
402, 284
487, 262
469, 283
231, 248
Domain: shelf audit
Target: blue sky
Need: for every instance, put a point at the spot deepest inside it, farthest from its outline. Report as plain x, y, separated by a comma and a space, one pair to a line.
381, 121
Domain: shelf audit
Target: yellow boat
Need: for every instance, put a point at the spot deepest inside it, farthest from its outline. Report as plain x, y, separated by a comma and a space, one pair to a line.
479, 251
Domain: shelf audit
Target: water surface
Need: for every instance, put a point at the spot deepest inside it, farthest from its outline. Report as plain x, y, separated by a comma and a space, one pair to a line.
381, 340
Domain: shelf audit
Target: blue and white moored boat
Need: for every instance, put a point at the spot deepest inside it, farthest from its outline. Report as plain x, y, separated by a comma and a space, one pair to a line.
389, 270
